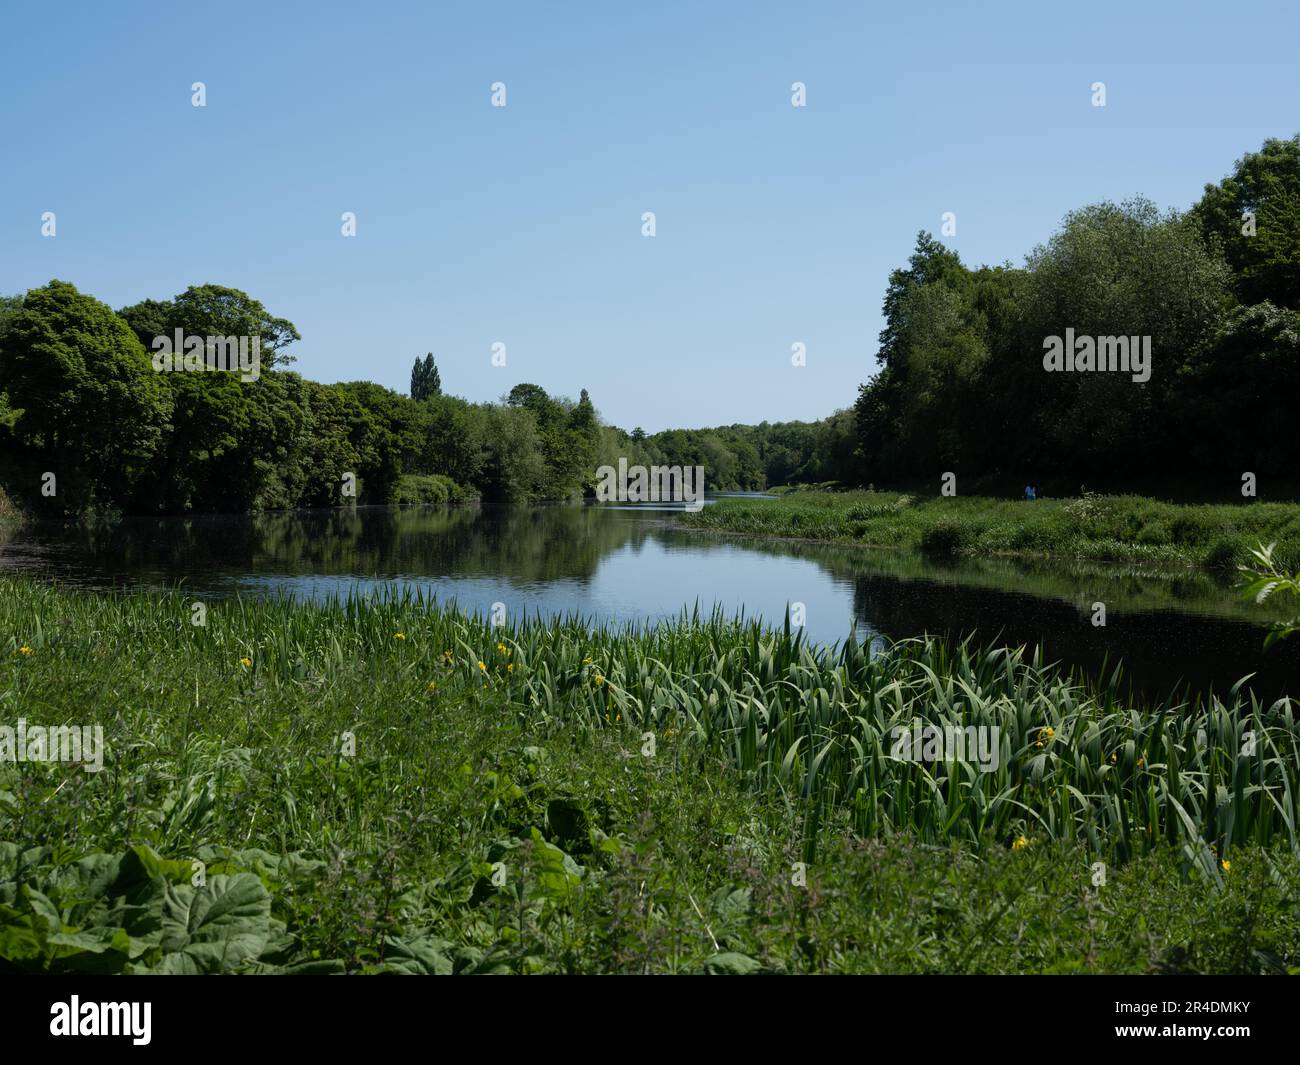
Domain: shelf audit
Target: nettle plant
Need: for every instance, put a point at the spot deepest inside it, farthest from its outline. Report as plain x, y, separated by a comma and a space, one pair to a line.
1265, 578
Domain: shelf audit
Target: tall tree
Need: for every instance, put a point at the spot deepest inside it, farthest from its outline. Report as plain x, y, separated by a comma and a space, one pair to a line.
1255, 214
425, 379
214, 310
92, 408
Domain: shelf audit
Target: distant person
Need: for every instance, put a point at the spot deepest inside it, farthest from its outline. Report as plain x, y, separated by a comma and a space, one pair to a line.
1030, 492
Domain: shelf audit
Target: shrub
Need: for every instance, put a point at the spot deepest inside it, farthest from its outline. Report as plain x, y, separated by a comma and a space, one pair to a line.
1225, 554
430, 488
945, 538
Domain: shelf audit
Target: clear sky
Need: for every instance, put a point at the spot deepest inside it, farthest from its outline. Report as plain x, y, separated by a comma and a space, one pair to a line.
522, 224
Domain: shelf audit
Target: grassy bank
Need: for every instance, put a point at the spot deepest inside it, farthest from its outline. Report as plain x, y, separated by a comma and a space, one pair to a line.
393, 786
1101, 528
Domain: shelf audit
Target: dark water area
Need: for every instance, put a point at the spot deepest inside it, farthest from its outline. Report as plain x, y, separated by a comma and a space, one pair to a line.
619, 564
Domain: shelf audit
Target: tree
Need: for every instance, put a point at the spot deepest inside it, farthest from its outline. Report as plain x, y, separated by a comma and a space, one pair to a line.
1263, 250
1115, 270
923, 304
92, 408
214, 310
1228, 394
425, 379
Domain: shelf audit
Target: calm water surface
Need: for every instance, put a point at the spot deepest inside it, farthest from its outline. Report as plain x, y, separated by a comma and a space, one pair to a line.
637, 564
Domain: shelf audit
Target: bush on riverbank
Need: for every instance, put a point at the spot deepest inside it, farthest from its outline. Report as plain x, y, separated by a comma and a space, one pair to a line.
1106, 528
375, 765
432, 488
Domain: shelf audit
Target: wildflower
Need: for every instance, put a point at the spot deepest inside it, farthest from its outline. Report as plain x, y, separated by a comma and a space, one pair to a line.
432, 684
246, 662
1226, 865
482, 667
447, 655
24, 650
501, 647
1020, 844
399, 636
510, 667
587, 661
599, 680
1046, 735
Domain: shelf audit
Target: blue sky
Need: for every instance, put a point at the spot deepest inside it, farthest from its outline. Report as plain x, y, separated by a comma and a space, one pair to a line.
522, 225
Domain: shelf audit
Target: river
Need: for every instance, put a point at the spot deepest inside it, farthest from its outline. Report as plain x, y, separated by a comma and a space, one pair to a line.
636, 564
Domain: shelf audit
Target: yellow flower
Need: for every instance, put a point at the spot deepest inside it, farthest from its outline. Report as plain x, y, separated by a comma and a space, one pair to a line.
447, 655
24, 650
501, 647
510, 668
1227, 865
1140, 761
1046, 735
399, 636
432, 685
1114, 756
1020, 844
246, 662
599, 680
587, 661
482, 667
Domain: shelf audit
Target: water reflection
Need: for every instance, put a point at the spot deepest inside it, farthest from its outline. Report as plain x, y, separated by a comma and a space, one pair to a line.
635, 564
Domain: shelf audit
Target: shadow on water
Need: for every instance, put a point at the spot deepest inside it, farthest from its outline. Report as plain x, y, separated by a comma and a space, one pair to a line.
621, 564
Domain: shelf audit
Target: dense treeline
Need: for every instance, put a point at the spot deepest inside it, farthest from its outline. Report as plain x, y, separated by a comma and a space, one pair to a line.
81, 397
962, 384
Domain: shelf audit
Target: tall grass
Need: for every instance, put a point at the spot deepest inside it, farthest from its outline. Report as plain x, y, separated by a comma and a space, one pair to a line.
1107, 528
812, 724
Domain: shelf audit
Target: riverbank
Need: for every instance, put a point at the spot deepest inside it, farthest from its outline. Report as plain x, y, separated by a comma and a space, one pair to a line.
392, 785
1097, 528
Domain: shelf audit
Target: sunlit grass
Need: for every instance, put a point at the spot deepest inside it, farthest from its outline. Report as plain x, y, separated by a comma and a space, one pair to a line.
1119, 528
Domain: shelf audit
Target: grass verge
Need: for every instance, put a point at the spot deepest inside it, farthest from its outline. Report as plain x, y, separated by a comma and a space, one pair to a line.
1103, 528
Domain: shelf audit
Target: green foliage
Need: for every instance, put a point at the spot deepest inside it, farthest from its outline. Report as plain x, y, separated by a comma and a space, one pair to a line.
1266, 183
431, 488
425, 379
1266, 578
213, 310
90, 408
1105, 528
961, 385
529, 768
